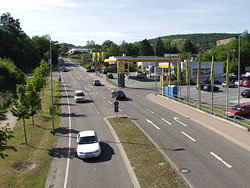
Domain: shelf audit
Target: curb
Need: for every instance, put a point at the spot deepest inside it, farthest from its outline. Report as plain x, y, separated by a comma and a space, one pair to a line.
123, 154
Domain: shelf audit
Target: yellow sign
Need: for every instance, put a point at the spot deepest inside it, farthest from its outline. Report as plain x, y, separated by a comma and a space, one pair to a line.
120, 66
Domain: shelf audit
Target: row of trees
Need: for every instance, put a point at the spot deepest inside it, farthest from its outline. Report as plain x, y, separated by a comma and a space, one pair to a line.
146, 47
28, 99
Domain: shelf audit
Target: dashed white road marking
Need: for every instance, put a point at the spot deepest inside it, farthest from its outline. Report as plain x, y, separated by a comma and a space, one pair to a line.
153, 124
149, 111
104, 97
86, 88
166, 121
188, 136
73, 79
177, 119
220, 159
109, 102
120, 110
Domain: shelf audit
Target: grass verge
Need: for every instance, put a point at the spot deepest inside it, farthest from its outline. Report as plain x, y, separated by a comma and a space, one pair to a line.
28, 166
150, 166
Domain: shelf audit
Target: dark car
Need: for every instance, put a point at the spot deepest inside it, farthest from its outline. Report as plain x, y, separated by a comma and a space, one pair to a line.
118, 95
202, 86
90, 70
65, 70
245, 93
96, 83
110, 76
239, 110
208, 87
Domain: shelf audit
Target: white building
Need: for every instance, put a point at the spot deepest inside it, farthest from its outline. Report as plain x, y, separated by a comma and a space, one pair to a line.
206, 70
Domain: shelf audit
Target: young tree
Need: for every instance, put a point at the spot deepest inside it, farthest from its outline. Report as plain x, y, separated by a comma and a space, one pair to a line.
34, 99
5, 135
20, 107
159, 48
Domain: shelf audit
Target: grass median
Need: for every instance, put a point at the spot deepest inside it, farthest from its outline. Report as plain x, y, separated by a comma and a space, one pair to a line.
150, 166
28, 166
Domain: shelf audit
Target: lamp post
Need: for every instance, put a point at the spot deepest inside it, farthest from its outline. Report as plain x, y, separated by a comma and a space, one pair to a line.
51, 83
58, 62
242, 35
155, 69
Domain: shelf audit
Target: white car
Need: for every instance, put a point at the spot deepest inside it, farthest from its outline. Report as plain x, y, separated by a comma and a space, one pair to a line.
88, 145
231, 84
79, 96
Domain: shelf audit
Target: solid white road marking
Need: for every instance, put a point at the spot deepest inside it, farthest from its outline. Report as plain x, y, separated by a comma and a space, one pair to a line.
166, 121
220, 159
177, 119
149, 111
188, 136
152, 124
67, 166
104, 97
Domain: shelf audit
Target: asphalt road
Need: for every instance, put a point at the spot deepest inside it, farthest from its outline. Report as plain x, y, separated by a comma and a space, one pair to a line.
66, 169
202, 157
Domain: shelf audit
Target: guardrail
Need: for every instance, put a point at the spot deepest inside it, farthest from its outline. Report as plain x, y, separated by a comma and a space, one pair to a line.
216, 111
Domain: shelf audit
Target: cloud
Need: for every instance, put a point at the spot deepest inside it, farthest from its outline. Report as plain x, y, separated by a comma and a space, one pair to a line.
37, 5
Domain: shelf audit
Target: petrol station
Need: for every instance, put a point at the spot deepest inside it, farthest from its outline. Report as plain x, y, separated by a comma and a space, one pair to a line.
158, 64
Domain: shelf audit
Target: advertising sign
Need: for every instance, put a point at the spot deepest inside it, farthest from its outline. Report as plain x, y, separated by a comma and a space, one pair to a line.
120, 66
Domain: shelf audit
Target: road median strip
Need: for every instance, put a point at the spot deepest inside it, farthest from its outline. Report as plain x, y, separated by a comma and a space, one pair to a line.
150, 166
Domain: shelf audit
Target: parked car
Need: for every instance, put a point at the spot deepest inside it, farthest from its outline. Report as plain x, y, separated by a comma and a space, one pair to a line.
245, 93
88, 145
96, 83
231, 84
246, 83
79, 96
140, 74
237, 83
208, 87
104, 71
239, 110
110, 76
202, 86
118, 95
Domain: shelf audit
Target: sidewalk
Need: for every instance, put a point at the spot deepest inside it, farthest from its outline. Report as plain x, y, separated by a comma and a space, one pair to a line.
227, 129
9, 118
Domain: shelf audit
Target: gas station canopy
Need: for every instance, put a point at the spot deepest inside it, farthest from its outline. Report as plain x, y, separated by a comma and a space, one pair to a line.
115, 59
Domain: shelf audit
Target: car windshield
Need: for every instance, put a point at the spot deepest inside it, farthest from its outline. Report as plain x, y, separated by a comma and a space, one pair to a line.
79, 94
236, 108
87, 140
120, 92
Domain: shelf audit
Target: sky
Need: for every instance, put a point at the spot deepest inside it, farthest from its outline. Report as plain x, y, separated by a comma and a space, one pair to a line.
78, 21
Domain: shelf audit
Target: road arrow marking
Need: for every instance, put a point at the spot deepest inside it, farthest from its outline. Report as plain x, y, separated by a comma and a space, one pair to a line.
177, 119
152, 124
166, 121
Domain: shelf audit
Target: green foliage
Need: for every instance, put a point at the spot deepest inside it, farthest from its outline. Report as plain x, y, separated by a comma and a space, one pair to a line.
112, 68
145, 48
159, 48
5, 135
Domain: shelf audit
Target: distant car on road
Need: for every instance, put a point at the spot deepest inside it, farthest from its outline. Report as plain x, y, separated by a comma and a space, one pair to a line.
65, 70
245, 93
208, 87
140, 74
79, 96
90, 70
96, 83
239, 110
118, 95
202, 86
88, 145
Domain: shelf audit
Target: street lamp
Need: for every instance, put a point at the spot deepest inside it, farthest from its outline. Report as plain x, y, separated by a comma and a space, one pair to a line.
242, 35
52, 104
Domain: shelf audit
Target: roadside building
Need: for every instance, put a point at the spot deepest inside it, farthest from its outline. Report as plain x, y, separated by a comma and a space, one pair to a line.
225, 40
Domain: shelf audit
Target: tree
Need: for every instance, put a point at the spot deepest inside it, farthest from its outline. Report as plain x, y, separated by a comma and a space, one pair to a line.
20, 107
5, 135
64, 48
34, 99
128, 48
145, 48
160, 50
